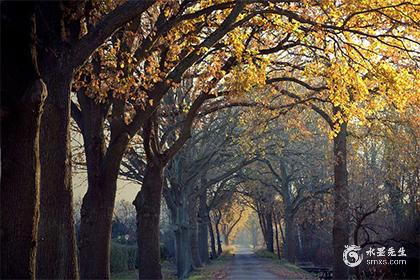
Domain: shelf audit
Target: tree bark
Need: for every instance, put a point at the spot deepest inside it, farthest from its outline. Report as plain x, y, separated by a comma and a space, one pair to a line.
269, 231
277, 236
341, 204
219, 242
203, 224
95, 228
20, 194
290, 238
147, 205
23, 93
194, 234
180, 220
212, 242
56, 256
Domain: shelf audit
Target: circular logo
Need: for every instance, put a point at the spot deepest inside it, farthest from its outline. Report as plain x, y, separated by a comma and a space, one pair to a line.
351, 255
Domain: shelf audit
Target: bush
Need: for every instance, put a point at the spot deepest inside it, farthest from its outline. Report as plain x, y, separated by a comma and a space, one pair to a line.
132, 257
123, 257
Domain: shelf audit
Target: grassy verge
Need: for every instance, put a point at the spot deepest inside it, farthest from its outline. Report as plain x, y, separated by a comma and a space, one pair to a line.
261, 253
281, 267
131, 274
168, 273
217, 268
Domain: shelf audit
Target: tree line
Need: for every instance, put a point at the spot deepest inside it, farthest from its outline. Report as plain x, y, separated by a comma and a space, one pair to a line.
150, 74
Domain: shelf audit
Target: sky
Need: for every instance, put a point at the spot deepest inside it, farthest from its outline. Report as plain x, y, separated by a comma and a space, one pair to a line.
126, 190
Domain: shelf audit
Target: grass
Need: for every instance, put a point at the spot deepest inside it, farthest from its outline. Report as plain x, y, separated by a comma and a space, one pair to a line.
131, 274
216, 268
262, 253
168, 273
281, 267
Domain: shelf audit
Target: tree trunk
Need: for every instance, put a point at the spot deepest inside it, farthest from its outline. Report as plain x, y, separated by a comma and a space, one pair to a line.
98, 202
23, 94
56, 255
20, 194
219, 242
147, 205
95, 228
341, 204
261, 221
269, 232
194, 234
180, 220
226, 239
277, 236
212, 242
203, 223
290, 239
254, 234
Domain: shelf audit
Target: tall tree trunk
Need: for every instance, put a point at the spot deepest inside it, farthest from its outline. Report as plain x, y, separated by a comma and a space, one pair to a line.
341, 204
98, 202
269, 231
254, 234
226, 239
20, 194
203, 223
22, 94
56, 256
261, 221
95, 228
194, 233
277, 235
290, 236
212, 242
147, 205
219, 242
180, 219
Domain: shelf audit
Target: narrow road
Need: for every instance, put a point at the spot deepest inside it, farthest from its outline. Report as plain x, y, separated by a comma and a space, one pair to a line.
246, 266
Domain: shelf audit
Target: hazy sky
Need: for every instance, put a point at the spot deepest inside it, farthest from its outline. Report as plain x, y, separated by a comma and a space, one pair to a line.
126, 190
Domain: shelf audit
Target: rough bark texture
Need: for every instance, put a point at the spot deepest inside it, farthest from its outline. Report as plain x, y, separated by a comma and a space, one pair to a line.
203, 224
341, 204
23, 94
56, 256
147, 205
20, 194
95, 229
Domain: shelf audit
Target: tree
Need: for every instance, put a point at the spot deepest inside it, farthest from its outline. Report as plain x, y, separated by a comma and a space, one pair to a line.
54, 76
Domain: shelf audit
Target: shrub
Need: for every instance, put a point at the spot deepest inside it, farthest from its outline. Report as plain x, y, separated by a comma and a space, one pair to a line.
119, 258
123, 257
132, 256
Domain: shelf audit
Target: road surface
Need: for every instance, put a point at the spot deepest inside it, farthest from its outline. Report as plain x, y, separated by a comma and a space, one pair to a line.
246, 266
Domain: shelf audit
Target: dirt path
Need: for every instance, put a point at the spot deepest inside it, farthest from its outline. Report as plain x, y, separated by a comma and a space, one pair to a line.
245, 265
